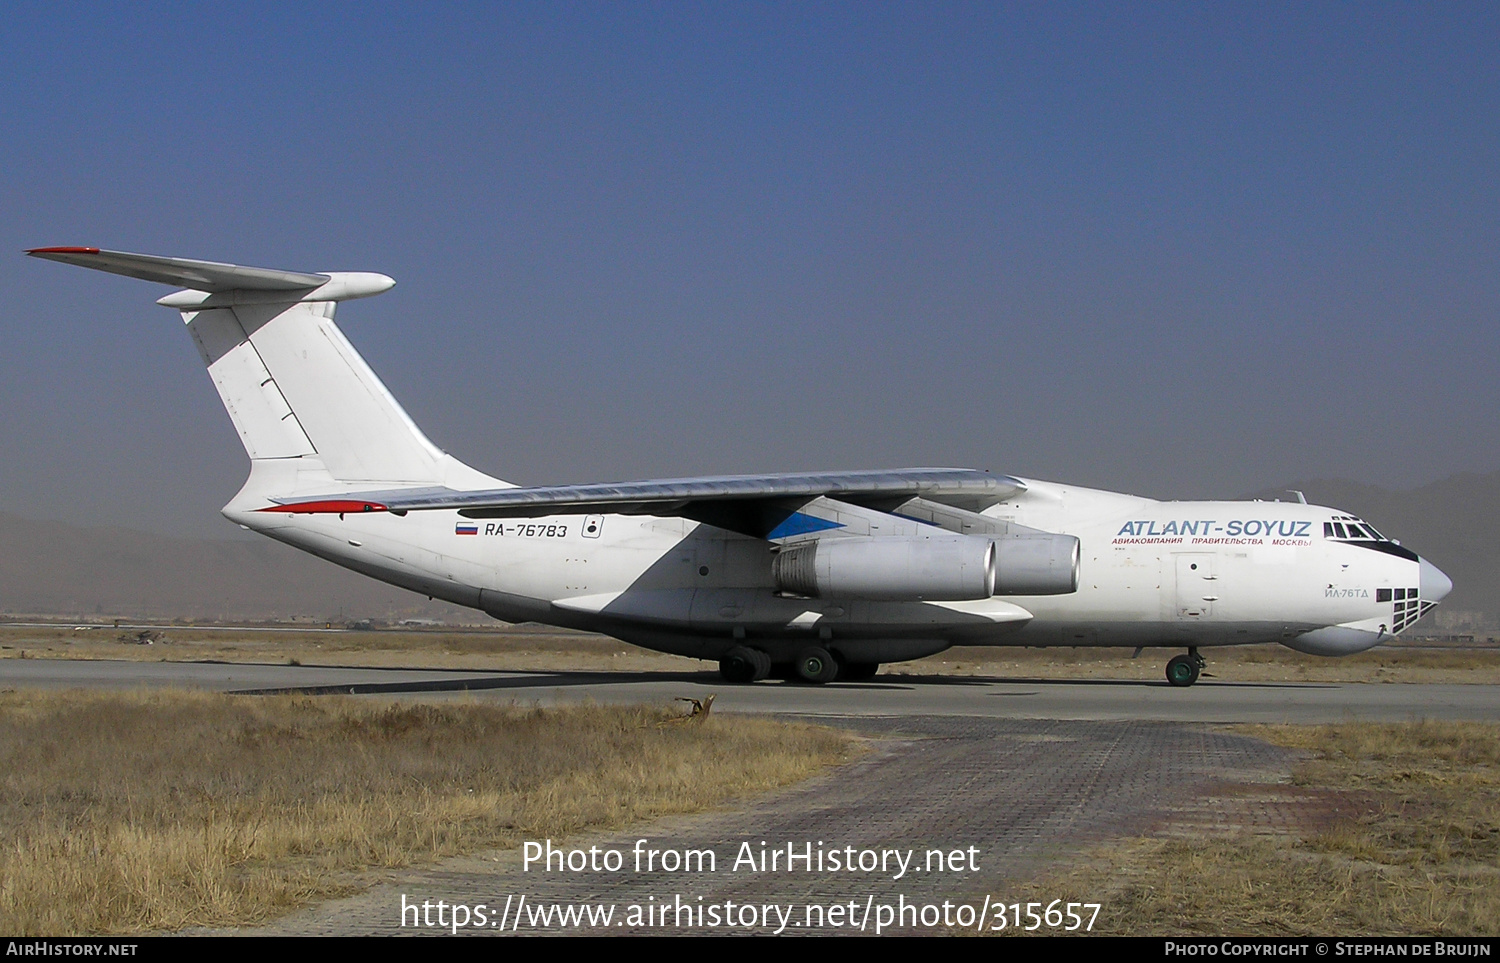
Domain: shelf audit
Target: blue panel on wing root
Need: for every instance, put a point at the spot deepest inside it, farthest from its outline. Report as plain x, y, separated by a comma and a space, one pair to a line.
800, 524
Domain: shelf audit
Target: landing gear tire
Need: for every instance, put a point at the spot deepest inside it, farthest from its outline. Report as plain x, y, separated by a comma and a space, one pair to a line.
816, 665
858, 671
1183, 670
743, 664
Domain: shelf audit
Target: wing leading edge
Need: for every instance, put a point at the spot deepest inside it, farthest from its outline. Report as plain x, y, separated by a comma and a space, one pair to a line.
739, 502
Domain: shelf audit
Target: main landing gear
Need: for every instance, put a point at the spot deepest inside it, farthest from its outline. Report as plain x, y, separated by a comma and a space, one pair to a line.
817, 665
1183, 670
744, 664
813, 664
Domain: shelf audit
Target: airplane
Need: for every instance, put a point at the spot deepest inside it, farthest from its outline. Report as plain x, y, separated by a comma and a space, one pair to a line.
817, 576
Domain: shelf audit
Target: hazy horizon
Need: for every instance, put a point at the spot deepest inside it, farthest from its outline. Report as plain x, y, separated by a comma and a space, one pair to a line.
60, 567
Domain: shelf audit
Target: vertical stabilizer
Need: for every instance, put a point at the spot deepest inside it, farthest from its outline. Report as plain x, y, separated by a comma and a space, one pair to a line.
294, 386
308, 409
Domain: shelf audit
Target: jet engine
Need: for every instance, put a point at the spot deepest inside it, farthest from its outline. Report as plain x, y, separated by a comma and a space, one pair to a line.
950, 568
1040, 564
947, 568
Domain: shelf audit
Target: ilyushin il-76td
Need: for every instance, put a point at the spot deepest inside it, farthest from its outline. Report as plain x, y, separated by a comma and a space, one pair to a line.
815, 576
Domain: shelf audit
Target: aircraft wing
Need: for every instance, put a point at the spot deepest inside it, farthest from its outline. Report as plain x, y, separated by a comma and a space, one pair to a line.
746, 503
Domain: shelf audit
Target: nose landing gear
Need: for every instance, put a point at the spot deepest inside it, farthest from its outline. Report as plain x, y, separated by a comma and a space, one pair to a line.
1183, 670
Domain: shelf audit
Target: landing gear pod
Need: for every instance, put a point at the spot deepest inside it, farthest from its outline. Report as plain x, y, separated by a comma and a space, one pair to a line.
1335, 640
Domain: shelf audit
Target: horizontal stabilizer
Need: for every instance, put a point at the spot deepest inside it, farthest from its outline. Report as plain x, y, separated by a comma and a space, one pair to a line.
210, 276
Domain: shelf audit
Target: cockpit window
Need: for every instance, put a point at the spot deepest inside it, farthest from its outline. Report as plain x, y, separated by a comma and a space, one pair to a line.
1347, 527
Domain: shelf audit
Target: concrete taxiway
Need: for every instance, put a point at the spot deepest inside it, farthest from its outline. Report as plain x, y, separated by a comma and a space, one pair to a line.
1013, 796
1210, 701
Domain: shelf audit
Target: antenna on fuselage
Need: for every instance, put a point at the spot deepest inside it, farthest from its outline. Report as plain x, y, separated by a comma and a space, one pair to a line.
1300, 497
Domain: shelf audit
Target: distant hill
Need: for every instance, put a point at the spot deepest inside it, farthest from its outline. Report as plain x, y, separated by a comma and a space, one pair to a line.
1453, 523
57, 569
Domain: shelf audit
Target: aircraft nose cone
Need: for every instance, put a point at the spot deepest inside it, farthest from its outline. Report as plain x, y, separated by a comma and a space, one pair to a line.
1432, 584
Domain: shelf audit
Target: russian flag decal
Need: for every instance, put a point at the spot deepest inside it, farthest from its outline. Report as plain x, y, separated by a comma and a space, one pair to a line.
466, 528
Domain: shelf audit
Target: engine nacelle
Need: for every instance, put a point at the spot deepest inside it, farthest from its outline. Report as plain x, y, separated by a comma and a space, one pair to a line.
944, 568
1036, 565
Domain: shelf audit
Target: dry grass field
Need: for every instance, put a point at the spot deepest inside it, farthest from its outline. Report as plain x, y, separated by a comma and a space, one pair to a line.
128, 813
540, 649
1394, 830
133, 813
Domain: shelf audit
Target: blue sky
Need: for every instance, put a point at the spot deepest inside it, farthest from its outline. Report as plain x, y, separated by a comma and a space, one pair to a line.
1186, 250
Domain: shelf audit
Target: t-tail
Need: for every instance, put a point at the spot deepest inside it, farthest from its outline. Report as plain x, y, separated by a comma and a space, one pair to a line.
312, 415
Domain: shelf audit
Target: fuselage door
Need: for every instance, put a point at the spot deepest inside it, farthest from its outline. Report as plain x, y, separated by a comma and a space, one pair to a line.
1197, 586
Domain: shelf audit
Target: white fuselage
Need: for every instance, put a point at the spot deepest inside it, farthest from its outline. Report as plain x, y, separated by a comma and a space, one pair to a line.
1150, 573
